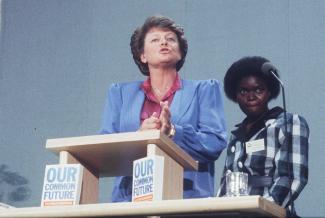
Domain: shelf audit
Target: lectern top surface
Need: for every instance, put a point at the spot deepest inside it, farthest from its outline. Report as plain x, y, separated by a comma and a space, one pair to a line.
113, 154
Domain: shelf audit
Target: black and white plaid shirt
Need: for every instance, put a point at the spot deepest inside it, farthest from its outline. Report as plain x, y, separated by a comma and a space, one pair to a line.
272, 160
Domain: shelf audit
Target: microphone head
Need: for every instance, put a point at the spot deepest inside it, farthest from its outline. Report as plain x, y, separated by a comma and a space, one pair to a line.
269, 70
267, 67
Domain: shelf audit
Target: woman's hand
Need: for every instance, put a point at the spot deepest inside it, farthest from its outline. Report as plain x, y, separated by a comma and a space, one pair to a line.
162, 122
152, 122
165, 118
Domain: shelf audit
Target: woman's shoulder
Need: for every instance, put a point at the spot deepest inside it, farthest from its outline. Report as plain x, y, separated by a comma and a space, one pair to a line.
294, 119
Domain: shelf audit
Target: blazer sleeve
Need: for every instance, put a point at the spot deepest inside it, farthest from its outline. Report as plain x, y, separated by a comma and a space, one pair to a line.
111, 115
205, 139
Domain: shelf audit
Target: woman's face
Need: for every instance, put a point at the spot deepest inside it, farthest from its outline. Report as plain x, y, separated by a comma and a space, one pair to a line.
161, 48
252, 96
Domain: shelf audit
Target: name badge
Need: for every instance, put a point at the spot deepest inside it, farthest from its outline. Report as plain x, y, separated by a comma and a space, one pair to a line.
254, 146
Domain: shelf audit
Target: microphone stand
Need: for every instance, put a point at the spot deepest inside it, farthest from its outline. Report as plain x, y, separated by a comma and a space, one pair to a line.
293, 211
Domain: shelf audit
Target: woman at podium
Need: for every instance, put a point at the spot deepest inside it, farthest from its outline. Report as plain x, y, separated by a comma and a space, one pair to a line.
190, 112
274, 157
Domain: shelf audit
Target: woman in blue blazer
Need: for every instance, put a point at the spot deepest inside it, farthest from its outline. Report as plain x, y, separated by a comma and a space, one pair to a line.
190, 112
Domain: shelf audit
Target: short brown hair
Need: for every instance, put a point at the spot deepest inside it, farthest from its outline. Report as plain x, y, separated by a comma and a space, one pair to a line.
137, 40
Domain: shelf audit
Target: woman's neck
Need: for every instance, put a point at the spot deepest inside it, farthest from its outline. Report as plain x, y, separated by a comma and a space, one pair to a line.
162, 78
252, 120
161, 81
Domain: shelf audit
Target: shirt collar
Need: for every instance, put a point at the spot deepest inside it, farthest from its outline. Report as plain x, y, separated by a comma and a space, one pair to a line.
146, 87
240, 132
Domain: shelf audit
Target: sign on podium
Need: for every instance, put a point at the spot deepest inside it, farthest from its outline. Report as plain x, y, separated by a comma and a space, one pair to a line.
148, 178
62, 184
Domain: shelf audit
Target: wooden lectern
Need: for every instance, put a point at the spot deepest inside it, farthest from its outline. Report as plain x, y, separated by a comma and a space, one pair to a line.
113, 155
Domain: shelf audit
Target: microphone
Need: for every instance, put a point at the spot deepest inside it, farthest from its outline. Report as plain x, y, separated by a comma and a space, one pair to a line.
268, 68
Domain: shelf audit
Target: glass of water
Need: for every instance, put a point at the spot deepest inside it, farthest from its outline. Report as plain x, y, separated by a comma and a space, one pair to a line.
236, 184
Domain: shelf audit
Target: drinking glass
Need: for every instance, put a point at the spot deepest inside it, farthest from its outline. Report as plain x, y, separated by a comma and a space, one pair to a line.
236, 184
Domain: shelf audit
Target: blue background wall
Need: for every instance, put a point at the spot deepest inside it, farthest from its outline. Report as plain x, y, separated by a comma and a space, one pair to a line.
58, 58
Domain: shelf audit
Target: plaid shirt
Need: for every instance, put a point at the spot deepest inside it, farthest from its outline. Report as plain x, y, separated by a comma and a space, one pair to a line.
272, 161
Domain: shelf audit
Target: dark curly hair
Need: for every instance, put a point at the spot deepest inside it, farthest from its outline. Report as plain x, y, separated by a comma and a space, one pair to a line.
137, 40
249, 66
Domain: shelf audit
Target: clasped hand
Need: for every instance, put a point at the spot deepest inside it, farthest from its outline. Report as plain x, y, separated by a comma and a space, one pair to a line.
162, 122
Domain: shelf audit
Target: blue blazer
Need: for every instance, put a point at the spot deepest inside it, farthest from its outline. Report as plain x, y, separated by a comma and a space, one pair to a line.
198, 115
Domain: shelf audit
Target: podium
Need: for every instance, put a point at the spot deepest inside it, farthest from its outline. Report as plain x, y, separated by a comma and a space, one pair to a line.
113, 155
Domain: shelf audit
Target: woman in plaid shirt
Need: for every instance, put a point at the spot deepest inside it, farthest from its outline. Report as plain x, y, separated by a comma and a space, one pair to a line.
257, 146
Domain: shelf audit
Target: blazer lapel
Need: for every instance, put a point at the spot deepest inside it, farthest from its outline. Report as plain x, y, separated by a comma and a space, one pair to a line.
182, 100
134, 97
